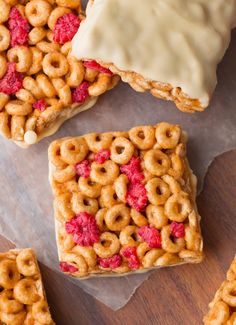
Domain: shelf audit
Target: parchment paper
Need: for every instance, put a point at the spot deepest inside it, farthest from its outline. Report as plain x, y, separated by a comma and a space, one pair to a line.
26, 214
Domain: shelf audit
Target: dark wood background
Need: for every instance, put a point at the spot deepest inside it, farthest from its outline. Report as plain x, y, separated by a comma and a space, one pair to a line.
172, 296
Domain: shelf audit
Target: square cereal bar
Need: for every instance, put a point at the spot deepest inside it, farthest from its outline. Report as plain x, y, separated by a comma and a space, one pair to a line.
222, 310
170, 48
22, 296
41, 83
124, 201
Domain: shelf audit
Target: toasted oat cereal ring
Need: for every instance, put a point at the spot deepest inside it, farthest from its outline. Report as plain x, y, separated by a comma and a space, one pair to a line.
117, 217
13, 319
55, 65
73, 4
25, 96
45, 84
177, 168
4, 125
143, 137
4, 98
193, 239
156, 162
232, 320
97, 142
77, 261
38, 12
74, 150
174, 186
156, 216
11, 2
64, 175
105, 173
90, 75
120, 186
168, 244
26, 292
3, 66
37, 58
26, 263
100, 219
108, 196
147, 255
129, 235
178, 207
167, 259
40, 312
100, 86
55, 14
22, 56
157, 191
88, 254
9, 274
66, 49
4, 11
54, 153
122, 150
17, 107
36, 35
228, 293
17, 127
4, 38
8, 304
89, 188
219, 314
63, 207
31, 85
76, 72
168, 135
65, 95
108, 245
138, 218
48, 47
190, 256
82, 203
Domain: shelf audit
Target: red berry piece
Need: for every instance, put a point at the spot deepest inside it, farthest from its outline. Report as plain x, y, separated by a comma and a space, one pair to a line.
18, 27
151, 236
80, 94
65, 28
40, 104
12, 81
91, 64
83, 168
101, 156
177, 229
136, 196
68, 268
111, 262
130, 253
133, 170
84, 229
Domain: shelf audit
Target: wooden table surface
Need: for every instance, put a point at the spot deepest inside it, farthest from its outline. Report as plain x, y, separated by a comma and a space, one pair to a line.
172, 296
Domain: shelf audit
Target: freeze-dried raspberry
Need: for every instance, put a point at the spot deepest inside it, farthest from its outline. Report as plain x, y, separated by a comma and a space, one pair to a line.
65, 28
91, 64
130, 253
68, 268
177, 229
18, 27
111, 262
133, 170
102, 155
83, 168
151, 236
80, 94
136, 196
40, 104
12, 81
84, 229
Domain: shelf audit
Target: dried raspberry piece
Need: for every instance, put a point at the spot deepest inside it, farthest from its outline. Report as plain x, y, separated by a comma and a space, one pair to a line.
19, 28
111, 262
177, 229
151, 236
68, 268
80, 94
91, 64
84, 229
102, 155
40, 105
130, 253
136, 196
83, 168
12, 81
65, 28
133, 170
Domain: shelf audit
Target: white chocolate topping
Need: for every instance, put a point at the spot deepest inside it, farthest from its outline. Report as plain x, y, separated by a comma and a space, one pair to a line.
179, 42
30, 137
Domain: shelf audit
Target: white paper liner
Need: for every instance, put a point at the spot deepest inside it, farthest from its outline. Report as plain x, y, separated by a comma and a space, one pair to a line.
26, 212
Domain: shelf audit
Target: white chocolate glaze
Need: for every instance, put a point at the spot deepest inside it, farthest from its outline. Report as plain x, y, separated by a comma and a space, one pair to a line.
179, 42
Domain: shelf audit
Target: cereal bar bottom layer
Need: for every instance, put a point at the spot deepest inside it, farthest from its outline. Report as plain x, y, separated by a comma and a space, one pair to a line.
22, 296
124, 201
222, 310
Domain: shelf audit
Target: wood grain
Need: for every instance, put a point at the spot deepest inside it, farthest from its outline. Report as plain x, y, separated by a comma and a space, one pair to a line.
177, 295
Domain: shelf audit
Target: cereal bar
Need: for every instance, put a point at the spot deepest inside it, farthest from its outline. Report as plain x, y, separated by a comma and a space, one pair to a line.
222, 310
170, 48
124, 201
22, 296
41, 83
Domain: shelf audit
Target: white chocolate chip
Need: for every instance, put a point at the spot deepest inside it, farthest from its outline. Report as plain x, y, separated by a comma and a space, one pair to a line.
30, 137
